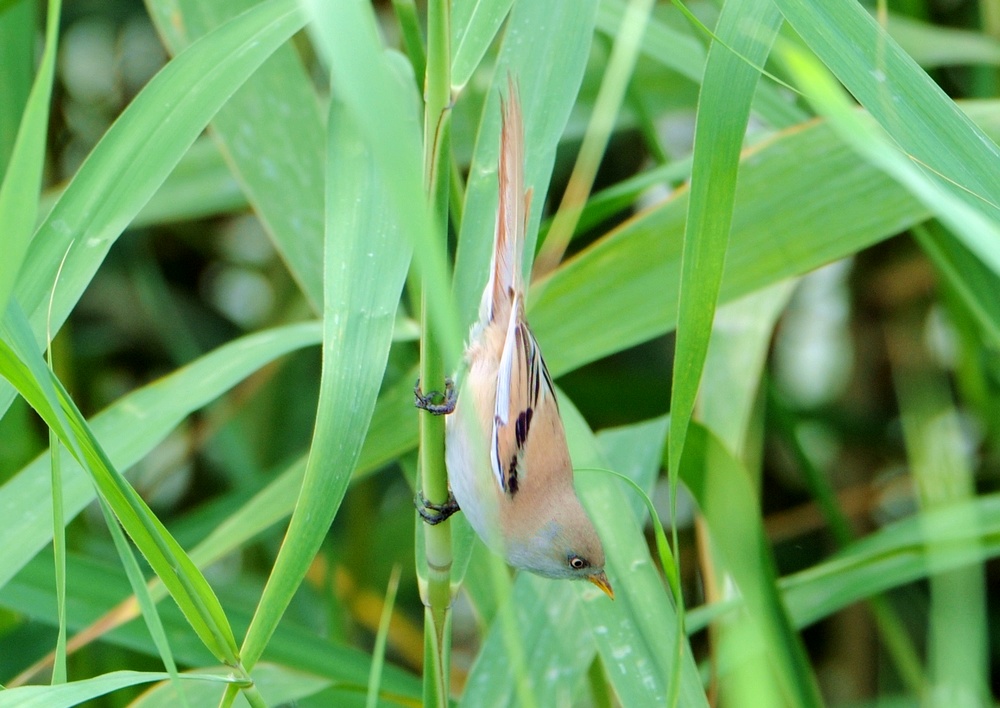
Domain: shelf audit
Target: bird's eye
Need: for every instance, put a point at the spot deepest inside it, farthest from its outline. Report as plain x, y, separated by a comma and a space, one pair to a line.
577, 563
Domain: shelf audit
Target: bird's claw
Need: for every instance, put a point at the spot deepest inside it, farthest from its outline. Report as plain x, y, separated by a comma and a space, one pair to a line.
433, 513
426, 401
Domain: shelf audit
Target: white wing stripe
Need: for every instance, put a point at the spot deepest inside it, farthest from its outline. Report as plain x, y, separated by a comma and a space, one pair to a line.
501, 408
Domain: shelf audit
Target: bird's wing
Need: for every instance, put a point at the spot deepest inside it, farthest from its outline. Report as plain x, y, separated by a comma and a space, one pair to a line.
524, 393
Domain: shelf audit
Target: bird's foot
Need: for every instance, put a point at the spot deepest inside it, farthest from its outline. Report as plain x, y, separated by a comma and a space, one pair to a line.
427, 401
433, 513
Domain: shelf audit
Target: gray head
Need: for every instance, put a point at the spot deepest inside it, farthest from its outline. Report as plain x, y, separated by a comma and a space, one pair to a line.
566, 545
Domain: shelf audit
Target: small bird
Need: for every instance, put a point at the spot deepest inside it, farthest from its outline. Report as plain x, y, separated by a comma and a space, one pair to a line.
508, 463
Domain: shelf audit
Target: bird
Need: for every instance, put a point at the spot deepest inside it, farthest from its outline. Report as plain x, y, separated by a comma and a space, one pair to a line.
508, 462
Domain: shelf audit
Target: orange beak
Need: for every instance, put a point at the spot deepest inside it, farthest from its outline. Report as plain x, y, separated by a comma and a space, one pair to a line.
601, 581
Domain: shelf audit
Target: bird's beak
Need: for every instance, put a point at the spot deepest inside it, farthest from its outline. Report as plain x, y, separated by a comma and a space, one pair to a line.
601, 581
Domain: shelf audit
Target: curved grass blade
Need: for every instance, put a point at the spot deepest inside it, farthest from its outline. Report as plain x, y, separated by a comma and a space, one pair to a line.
149, 414
43, 391
75, 693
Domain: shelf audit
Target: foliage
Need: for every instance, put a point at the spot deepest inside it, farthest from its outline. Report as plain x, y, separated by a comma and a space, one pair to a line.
767, 257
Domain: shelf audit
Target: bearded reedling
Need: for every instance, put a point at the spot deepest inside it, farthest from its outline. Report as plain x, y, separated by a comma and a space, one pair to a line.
508, 463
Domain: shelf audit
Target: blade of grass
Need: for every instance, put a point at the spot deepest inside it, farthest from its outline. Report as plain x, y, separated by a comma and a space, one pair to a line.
283, 685
59, 555
936, 448
160, 124
617, 75
392, 432
974, 222
23, 173
562, 625
803, 200
749, 29
18, 22
201, 185
368, 84
150, 413
933, 46
413, 40
33, 380
378, 651
474, 25
970, 278
636, 634
734, 363
886, 559
366, 259
679, 51
152, 618
98, 585
898, 642
74, 693
725, 496
58, 528
935, 136
723, 112
268, 131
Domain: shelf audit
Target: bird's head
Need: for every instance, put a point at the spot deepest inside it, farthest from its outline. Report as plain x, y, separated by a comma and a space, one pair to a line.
565, 545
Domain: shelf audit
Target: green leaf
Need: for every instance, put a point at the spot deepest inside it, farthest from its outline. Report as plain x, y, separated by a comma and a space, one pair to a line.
367, 81
636, 633
936, 448
934, 46
201, 185
787, 221
474, 24
268, 129
972, 220
367, 255
112, 185
721, 486
99, 589
735, 362
149, 414
17, 61
281, 684
76, 692
967, 275
723, 112
562, 625
939, 139
43, 391
890, 557
23, 173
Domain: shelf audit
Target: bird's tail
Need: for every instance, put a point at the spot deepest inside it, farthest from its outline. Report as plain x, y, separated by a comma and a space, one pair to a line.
512, 212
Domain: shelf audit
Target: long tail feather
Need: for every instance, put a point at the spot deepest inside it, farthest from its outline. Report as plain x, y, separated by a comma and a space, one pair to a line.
512, 209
